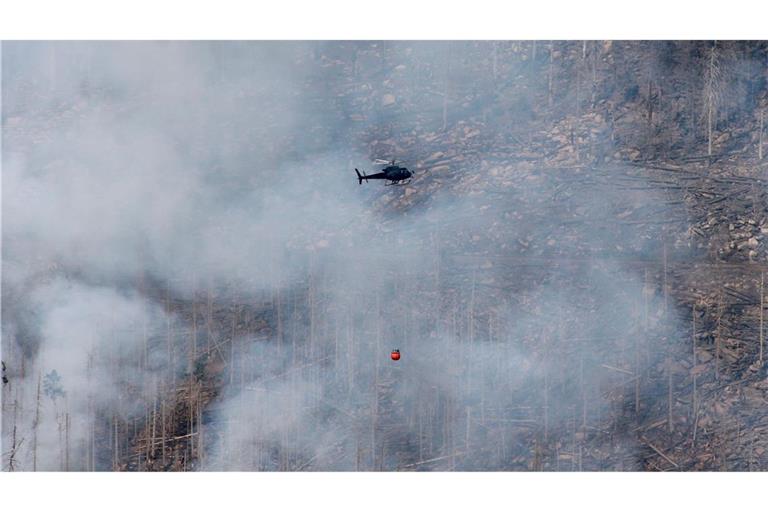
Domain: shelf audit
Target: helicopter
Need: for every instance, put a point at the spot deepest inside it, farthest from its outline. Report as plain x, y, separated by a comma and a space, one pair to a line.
394, 173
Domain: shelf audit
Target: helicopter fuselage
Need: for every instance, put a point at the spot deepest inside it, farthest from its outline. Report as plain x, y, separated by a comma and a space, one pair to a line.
393, 173
396, 173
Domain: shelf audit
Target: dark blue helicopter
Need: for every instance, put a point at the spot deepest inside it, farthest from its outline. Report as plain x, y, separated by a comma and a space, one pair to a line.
395, 174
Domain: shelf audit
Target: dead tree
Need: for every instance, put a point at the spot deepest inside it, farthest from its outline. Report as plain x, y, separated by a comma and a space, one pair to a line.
447, 84
209, 315
693, 366
712, 85
762, 306
36, 424
550, 73
760, 137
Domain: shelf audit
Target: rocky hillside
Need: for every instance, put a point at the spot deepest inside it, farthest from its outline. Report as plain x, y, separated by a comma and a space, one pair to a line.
575, 276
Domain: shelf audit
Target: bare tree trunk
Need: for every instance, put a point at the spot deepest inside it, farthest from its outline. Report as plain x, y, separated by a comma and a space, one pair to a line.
578, 92
145, 335
646, 294
312, 312
668, 364
293, 329
550, 74
67, 425
350, 355
760, 137
583, 388
280, 316
720, 310
421, 435
209, 319
447, 81
92, 434
115, 444
595, 52
650, 111
358, 454
163, 421
152, 428
336, 321
375, 416
637, 359
168, 331
35, 426
11, 456
576, 123
693, 367
762, 304
193, 347
709, 129
711, 95
669, 391
466, 435
233, 338
200, 433
666, 289
546, 402
472, 311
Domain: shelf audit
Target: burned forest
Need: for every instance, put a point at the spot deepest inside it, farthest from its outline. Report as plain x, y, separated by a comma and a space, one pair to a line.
194, 280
